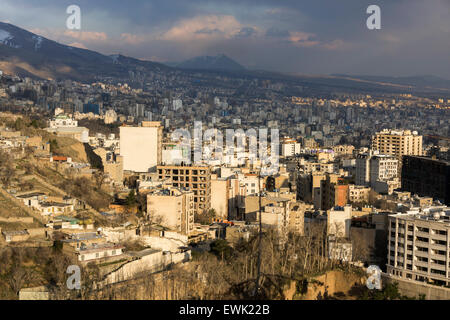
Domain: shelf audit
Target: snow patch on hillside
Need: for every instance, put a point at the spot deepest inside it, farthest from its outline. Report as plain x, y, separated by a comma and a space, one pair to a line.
38, 42
6, 39
5, 36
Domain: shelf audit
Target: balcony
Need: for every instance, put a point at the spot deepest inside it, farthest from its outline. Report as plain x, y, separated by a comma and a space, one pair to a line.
438, 266
418, 262
439, 237
422, 234
421, 253
441, 247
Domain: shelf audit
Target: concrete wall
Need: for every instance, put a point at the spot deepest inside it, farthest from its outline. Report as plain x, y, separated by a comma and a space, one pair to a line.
176, 236
161, 243
154, 262
119, 235
36, 232
414, 289
17, 219
37, 293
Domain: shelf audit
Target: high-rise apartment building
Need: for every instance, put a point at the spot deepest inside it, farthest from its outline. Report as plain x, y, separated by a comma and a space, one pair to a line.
418, 247
290, 147
333, 192
362, 169
195, 178
383, 168
427, 177
379, 171
397, 143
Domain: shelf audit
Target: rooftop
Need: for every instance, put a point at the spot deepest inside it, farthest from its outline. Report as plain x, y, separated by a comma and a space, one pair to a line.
436, 213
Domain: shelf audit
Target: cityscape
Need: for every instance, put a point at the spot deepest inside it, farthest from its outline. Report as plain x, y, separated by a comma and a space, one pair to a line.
198, 177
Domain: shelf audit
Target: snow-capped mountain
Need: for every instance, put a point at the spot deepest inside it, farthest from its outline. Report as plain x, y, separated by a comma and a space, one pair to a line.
28, 54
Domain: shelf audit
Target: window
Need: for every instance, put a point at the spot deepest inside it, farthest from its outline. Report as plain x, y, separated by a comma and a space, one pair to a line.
422, 259
422, 239
438, 272
438, 262
423, 269
439, 242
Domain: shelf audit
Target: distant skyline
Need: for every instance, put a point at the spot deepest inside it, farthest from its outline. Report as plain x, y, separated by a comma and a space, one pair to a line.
308, 37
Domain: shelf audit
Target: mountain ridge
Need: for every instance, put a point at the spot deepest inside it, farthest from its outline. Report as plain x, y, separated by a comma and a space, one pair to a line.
23, 52
220, 62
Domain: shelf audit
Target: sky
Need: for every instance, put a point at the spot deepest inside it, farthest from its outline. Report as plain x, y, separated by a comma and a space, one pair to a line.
294, 36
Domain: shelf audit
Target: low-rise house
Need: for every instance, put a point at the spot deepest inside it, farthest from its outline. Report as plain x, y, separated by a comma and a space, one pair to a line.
32, 199
16, 236
51, 208
97, 251
77, 240
238, 232
217, 230
60, 159
63, 222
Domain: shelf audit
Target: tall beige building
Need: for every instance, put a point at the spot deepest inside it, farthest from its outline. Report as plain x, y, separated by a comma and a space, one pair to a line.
172, 208
397, 143
140, 147
220, 189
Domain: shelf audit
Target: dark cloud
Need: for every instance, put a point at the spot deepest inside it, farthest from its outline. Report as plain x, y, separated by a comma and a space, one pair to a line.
245, 32
277, 33
208, 31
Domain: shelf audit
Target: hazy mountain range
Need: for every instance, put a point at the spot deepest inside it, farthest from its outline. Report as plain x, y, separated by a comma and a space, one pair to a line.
220, 62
